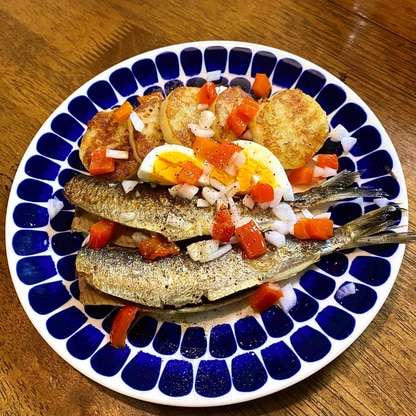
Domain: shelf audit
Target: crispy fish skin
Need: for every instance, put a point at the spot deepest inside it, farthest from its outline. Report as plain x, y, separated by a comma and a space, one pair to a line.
178, 281
151, 209
155, 210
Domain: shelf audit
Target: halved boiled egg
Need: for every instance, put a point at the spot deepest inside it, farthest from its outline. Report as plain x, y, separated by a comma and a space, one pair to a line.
164, 164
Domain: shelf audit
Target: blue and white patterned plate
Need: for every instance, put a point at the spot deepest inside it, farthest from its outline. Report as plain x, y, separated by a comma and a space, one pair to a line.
225, 356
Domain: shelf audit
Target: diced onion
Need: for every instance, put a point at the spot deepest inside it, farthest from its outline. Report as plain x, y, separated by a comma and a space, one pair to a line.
248, 201
325, 172
184, 190
211, 195
381, 202
345, 290
306, 213
199, 131
127, 216
54, 207
275, 238
202, 203
284, 212
136, 121
214, 75
117, 154
242, 221
201, 107
207, 250
288, 300
282, 227
348, 143
338, 133
323, 215
206, 119
128, 185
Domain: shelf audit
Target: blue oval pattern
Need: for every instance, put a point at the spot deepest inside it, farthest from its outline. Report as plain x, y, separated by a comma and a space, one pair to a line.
203, 364
212, 378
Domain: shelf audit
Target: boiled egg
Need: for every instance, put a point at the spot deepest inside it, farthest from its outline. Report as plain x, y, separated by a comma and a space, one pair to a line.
163, 164
260, 165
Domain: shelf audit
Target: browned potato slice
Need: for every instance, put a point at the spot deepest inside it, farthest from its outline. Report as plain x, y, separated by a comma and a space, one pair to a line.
104, 132
142, 142
292, 125
222, 107
178, 110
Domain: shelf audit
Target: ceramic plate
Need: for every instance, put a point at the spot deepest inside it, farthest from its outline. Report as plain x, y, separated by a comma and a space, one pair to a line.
229, 355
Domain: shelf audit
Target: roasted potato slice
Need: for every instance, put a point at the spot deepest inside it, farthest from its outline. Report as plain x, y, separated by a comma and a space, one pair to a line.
292, 125
178, 110
222, 107
142, 142
104, 132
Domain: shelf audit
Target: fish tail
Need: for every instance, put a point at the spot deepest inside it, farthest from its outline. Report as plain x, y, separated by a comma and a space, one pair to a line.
376, 227
336, 188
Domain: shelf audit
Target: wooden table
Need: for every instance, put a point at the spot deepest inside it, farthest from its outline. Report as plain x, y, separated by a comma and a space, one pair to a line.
50, 48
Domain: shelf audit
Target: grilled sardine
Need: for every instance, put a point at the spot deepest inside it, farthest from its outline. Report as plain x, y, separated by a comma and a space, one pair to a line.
153, 208
179, 281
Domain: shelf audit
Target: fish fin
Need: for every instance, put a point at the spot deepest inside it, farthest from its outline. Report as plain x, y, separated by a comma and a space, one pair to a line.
337, 188
376, 227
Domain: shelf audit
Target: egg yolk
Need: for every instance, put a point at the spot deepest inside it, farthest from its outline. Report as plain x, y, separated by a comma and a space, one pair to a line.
168, 166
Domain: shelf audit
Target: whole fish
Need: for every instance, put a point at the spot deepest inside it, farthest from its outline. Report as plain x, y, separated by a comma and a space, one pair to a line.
179, 281
154, 209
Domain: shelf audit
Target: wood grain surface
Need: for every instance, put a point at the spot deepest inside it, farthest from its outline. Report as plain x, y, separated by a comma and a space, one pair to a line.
50, 48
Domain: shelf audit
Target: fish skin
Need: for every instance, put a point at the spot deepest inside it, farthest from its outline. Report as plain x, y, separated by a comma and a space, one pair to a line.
155, 210
179, 282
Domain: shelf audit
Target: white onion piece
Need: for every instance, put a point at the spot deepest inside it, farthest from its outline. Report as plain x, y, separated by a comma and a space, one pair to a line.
284, 212
136, 121
338, 133
275, 238
288, 300
207, 250
282, 227
54, 207
326, 215
201, 107
128, 185
199, 131
211, 195
184, 190
348, 143
242, 221
202, 203
214, 75
116, 154
206, 119
381, 202
306, 213
345, 290
248, 201
127, 216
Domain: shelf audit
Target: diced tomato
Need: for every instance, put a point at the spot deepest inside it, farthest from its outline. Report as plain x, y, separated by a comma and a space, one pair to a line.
299, 230
222, 155
265, 296
261, 86
100, 164
121, 324
320, 228
251, 239
248, 107
190, 173
302, 176
101, 233
203, 147
314, 229
223, 227
207, 93
262, 192
156, 247
237, 122
123, 112
325, 160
